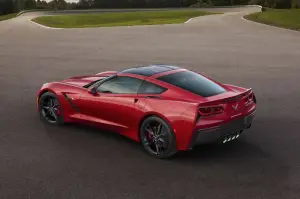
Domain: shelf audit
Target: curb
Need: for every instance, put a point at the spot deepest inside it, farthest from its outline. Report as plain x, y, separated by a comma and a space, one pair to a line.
227, 7
267, 25
37, 10
112, 10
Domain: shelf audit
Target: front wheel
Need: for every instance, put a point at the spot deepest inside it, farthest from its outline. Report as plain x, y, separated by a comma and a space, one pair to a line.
157, 137
50, 109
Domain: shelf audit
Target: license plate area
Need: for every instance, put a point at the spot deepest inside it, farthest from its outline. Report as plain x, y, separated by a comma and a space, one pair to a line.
234, 126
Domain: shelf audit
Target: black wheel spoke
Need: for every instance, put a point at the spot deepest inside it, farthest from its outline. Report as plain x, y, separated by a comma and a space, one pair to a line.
45, 107
158, 129
50, 102
147, 142
163, 142
54, 115
55, 103
45, 112
157, 148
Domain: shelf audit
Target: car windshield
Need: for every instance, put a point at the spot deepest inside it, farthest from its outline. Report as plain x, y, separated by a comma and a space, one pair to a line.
193, 82
97, 82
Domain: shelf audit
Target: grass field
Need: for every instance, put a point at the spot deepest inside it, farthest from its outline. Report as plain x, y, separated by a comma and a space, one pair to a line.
118, 19
5, 17
286, 18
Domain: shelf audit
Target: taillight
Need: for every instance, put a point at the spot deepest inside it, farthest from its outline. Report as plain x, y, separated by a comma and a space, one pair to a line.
207, 111
249, 99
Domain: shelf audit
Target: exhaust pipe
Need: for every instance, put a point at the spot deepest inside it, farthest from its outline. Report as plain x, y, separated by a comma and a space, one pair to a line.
231, 137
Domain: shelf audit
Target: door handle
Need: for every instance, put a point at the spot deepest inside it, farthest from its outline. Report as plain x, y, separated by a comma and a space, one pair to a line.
136, 100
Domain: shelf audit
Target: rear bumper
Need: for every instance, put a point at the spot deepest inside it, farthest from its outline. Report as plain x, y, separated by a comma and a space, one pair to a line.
223, 132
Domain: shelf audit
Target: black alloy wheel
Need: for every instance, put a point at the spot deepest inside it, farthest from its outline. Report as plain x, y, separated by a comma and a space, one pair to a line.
50, 109
157, 137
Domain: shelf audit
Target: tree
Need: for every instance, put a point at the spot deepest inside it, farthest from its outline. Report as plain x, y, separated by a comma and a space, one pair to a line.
42, 5
273, 3
29, 4
296, 3
85, 4
58, 4
6, 7
283, 3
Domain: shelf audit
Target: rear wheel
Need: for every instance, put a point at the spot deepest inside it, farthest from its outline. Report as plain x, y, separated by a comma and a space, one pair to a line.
50, 109
157, 137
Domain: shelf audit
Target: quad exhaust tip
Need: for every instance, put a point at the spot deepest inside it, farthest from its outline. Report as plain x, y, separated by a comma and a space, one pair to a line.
231, 137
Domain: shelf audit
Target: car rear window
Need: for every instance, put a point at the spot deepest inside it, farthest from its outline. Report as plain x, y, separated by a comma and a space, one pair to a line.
193, 82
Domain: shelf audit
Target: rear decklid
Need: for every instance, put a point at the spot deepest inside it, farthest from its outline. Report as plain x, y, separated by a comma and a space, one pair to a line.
227, 97
231, 102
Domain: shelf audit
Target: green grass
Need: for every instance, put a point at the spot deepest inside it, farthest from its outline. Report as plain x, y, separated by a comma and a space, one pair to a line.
5, 17
286, 18
118, 19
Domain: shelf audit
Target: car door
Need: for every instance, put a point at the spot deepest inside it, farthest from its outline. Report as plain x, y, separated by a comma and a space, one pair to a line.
114, 104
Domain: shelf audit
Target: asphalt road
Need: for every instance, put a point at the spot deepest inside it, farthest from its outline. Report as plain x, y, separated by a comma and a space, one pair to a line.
40, 162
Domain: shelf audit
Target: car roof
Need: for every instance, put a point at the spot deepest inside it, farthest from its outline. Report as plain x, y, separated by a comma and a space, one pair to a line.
149, 70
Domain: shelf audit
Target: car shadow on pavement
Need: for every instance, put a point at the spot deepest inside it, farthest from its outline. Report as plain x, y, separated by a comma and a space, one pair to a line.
78, 135
238, 149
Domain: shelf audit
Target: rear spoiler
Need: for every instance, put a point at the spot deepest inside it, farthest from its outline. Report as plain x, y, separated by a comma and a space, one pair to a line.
237, 97
233, 98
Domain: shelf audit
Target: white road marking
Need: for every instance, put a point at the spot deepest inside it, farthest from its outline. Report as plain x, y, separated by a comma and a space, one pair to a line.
43, 25
189, 20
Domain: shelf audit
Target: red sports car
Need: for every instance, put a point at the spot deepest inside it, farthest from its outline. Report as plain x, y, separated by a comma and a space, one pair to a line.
165, 108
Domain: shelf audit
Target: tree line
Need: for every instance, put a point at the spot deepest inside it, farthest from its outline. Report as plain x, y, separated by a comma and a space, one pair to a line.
11, 6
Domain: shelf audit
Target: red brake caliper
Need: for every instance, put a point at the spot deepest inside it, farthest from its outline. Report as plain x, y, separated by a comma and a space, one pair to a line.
58, 110
149, 135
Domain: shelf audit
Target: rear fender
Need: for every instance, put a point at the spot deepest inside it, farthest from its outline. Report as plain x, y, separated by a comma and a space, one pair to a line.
185, 127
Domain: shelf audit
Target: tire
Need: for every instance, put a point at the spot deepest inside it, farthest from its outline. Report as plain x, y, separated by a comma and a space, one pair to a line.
154, 145
47, 110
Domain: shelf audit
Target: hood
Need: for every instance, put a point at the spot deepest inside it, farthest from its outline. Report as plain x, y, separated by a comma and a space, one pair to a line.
81, 80
84, 80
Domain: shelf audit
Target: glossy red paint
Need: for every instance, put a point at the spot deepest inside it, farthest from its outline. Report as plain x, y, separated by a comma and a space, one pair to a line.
123, 113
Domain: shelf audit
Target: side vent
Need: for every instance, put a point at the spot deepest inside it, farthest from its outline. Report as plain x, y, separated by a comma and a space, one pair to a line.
71, 103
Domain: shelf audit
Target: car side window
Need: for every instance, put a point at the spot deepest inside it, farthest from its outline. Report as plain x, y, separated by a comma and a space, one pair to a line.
150, 88
120, 85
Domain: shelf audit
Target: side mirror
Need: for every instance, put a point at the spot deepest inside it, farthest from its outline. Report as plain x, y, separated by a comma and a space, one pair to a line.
93, 91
